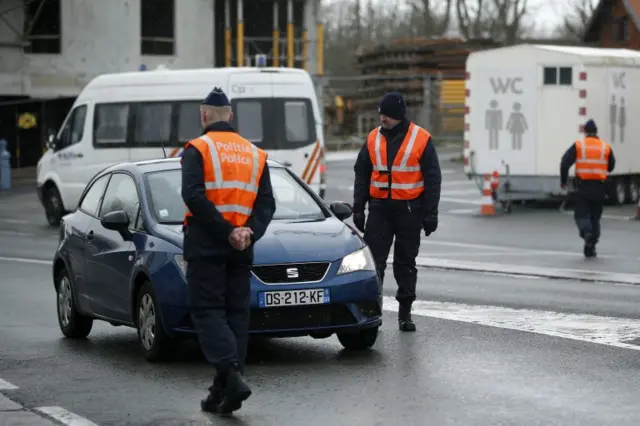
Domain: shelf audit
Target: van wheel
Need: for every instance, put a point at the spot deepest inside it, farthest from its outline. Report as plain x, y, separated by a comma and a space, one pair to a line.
53, 207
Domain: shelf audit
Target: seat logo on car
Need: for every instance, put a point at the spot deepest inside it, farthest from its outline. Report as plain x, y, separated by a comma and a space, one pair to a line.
292, 273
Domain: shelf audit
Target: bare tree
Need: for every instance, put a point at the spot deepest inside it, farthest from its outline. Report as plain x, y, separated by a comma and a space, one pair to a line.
575, 22
502, 20
429, 18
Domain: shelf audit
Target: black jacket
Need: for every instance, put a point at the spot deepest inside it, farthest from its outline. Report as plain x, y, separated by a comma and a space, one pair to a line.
428, 201
585, 187
207, 232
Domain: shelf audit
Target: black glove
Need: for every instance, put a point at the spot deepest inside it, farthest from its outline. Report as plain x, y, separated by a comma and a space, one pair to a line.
358, 220
430, 224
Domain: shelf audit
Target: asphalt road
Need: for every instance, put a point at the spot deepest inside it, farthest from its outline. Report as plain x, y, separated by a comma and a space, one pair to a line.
490, 349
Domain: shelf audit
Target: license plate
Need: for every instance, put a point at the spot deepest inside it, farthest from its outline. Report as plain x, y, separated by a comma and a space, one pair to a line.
294, 297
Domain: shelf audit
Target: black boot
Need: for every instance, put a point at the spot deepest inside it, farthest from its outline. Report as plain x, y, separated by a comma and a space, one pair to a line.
212, 402
236, 391
589, 249
405, 323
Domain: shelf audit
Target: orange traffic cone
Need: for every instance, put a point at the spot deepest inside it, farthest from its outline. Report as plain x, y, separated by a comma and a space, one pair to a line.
488, 207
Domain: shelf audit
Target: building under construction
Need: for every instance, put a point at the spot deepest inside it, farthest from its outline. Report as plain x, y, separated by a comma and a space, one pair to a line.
50, 49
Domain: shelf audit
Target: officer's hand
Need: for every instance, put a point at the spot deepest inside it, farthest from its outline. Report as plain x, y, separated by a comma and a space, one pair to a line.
359, 220
430, 224
240, 238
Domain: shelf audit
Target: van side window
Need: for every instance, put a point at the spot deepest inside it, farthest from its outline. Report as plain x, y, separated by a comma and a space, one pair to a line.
73, 130
110, 124
189, 126
153, 123
296, 121
248, 115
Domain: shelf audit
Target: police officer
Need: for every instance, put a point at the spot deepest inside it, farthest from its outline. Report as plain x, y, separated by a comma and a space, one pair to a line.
398, 173
227, 190
594, 161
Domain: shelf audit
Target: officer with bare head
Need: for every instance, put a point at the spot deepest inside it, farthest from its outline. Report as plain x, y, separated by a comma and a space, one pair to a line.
227, 190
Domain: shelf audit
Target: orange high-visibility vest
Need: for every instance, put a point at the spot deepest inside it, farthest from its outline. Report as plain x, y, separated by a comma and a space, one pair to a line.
405, 176
232, 170
592, 159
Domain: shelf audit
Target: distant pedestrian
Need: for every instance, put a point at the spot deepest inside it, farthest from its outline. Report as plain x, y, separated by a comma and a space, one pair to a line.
594, 161
227, 190
398, 173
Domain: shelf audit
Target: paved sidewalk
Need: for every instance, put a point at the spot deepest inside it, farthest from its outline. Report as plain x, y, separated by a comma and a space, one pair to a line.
14, 414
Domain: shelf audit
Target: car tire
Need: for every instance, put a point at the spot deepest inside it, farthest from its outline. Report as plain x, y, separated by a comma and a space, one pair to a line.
152, 338
72, 323
361, 340
53, 208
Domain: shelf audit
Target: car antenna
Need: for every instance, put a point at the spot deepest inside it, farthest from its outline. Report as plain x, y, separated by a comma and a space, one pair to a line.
163, 151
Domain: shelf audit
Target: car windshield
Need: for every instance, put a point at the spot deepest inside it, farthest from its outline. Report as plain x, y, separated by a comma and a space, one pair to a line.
293, 202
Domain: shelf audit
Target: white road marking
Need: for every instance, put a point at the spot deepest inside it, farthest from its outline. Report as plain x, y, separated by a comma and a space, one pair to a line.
17, 233
25, 260
447, 192
604, 216
610, 331
5, 386
461, 200
462, 211
15, 221
459, 183
65, 417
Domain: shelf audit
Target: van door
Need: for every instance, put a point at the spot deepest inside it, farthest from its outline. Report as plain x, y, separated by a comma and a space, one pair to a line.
253, 109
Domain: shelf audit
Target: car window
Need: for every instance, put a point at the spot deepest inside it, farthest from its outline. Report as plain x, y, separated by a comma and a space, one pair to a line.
167, 206
189, 125
292, 200
110, 124
296, 121
91, 200
73, 130
122, 194
165, 190
153, 123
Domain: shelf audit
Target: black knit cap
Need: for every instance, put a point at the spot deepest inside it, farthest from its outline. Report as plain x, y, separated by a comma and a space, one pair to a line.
216, 98
590, 127
393, 105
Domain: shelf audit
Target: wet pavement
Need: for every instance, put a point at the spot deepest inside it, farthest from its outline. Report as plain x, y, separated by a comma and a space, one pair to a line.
491, 349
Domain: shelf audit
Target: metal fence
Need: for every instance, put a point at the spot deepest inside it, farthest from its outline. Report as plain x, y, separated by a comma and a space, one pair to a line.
434, 101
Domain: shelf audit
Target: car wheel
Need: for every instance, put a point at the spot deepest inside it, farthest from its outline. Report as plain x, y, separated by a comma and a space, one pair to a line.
53, 206
363, 339
152, 338
72, 323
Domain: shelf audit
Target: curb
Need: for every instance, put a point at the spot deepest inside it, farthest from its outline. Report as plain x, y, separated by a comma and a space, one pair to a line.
532, 271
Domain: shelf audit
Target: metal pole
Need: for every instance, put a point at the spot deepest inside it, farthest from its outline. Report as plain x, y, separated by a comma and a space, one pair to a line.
290, 57
319, 43
227, 33
240, 35
276, 34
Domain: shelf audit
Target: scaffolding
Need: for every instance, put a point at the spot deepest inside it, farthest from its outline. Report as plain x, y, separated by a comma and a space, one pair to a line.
23, 35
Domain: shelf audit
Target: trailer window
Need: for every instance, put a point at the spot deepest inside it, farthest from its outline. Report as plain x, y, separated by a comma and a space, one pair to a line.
565, 76
550, 75
152, 124
110, 124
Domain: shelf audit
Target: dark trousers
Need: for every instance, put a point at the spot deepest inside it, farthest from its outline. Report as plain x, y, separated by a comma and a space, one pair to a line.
219, 295
587, 214
389, 219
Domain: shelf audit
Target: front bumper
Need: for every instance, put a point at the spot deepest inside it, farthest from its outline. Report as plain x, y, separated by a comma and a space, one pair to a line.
356, 303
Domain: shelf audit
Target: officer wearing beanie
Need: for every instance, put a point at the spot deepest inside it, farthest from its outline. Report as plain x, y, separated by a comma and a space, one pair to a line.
219, 235
594, 161
398, 174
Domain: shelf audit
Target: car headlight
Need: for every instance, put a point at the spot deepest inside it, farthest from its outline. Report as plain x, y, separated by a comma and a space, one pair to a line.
360, 260
182, 264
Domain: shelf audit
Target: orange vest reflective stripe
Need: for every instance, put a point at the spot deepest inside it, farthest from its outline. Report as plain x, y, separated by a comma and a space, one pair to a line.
592, 159
405, 175
232, 170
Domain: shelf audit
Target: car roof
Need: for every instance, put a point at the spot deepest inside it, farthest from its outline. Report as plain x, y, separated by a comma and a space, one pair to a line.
149, 166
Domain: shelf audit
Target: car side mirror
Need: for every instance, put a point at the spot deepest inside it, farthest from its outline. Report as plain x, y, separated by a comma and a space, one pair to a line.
117, 221
341, 209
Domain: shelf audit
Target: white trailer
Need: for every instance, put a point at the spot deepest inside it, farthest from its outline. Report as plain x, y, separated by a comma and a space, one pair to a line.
526, 104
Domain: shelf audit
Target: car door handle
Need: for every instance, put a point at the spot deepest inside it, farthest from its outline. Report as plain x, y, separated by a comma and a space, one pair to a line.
90, 235
80, 155
287, 164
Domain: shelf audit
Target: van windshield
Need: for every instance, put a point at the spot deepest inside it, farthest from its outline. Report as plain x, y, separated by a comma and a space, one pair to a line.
293, 202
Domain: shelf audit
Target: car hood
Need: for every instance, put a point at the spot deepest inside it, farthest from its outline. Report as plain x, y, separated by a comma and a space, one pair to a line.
293, 241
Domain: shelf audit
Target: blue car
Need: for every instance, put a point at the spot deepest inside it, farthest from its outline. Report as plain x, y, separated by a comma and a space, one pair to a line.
119, 260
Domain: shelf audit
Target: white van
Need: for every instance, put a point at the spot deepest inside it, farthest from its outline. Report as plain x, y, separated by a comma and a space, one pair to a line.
152, 114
